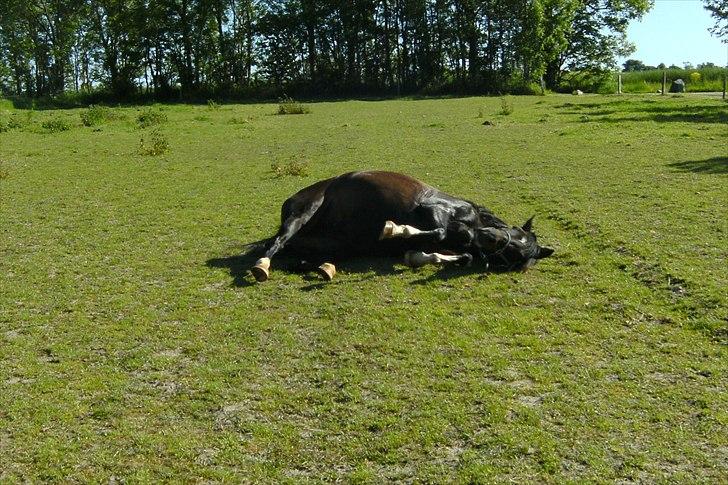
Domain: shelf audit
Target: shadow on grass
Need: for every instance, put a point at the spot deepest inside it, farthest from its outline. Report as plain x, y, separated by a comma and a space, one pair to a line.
649, 110
239, 267
364, 267
452, 272
711, 165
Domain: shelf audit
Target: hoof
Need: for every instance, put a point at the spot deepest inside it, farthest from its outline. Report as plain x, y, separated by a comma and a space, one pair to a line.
465, 260
327, 271
388, 230
260, 270
415, 259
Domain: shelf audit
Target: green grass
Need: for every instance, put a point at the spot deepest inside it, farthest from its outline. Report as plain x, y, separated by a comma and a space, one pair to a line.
707, 79
135, 346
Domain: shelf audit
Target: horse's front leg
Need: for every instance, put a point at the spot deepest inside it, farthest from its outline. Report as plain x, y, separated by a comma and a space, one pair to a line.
417, 259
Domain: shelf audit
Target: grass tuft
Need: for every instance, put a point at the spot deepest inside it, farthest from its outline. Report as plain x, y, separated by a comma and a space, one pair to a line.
506, 106
151, 117
97, 114
156, 144
295, 168
289, 106
56, 125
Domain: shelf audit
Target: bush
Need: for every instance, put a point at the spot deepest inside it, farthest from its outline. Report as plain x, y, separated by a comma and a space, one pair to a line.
295, 168
157, 144
288, 106
506, 106
151, 117
55, 125
211, 104
94, 115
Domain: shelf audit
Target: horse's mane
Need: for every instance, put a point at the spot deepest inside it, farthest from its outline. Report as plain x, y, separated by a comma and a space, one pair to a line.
488, 219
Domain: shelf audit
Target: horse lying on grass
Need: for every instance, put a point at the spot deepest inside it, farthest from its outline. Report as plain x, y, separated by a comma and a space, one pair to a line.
386, 213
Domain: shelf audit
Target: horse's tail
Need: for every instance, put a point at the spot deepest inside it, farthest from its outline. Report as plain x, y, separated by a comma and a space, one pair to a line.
257, 247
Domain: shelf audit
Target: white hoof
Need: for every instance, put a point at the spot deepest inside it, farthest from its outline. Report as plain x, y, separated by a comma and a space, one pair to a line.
260, 270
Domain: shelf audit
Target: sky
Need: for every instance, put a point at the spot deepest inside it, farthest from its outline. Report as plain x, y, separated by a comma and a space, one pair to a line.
675, 32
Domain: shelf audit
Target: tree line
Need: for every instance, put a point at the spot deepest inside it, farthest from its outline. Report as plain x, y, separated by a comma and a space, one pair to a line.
330, 47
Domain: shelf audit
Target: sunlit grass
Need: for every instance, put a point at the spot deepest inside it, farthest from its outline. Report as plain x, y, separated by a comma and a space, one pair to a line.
135, 346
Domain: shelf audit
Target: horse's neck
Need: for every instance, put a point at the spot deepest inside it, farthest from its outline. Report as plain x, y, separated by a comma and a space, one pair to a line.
488, 219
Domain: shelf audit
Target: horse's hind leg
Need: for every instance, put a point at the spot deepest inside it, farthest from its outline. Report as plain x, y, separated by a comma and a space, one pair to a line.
288, 229
392, 230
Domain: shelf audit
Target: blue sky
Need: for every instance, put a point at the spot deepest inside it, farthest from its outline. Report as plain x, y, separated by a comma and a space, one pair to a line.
675, 32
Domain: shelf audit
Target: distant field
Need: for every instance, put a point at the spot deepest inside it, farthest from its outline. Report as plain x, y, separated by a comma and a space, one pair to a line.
696, 80
134, 346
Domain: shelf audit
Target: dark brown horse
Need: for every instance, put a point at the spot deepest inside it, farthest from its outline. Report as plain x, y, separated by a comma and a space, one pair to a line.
386, 213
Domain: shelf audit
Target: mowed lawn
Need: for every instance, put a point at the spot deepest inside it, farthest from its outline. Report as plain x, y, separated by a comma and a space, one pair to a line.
135, 347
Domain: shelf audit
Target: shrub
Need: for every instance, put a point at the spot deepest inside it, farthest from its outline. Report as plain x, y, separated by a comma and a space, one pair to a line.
296, 168
506, 106
55, 125
695, 77
157, 144
94, 115
288, 106
211, 104
151, 117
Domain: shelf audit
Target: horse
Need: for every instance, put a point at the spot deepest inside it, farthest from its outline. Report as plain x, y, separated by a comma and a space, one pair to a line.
377, 213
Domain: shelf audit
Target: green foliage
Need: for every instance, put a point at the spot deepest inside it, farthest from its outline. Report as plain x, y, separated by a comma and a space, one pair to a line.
588, 82
289, 106
273, 47
709, 79
96, 115
295, 168
506, 106
211, 104
151, 117
719, 11
155, 144
56, 125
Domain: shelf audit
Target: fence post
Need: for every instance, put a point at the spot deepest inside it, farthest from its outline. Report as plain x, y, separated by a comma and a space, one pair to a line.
664, 82
725, 80
619, 83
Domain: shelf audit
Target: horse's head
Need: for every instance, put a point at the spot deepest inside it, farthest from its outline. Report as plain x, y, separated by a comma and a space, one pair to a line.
511, 249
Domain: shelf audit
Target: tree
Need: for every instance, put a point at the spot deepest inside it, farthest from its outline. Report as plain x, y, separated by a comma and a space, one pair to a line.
634, 65
597, 35
719, 10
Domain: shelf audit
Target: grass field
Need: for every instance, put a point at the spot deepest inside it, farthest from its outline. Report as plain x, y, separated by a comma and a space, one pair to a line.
135, 347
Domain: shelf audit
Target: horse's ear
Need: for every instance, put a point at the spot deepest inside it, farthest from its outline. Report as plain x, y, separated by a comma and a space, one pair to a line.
527, 226
544, 252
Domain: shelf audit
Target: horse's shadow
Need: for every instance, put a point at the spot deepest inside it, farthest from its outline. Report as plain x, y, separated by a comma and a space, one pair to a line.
365, 267
239, 266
